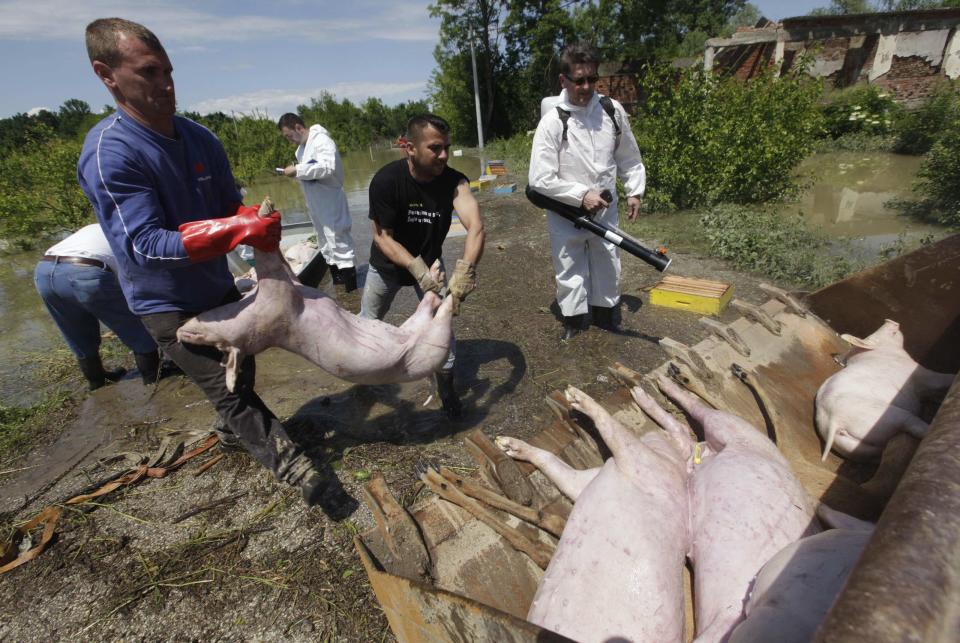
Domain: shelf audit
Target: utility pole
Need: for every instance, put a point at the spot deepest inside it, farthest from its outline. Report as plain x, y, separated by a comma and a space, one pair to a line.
476, 100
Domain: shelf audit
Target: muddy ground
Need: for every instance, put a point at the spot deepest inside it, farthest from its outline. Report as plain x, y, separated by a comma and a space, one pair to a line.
262, 565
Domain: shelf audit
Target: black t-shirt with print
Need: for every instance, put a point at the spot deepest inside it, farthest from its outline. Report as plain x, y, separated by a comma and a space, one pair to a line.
418, 213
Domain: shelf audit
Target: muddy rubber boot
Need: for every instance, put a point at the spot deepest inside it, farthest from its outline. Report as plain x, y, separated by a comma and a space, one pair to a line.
92, 369
448, 396
572, 326
604, 318
149, 366
348, 278
298, 471
228, 439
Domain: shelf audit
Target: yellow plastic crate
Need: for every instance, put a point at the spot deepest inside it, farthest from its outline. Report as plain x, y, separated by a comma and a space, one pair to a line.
696, 295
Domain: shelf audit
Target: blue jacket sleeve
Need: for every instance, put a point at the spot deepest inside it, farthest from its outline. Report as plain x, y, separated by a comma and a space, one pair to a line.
129, 209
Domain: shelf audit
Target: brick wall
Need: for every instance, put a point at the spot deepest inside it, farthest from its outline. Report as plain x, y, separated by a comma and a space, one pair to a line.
910, 79
622, 87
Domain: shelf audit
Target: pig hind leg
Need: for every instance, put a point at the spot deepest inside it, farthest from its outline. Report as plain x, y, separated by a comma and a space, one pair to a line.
568, 480
677, 431
893, 421
629, 452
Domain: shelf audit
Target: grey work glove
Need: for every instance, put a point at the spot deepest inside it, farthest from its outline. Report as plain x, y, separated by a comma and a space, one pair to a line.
463, 282
418, 268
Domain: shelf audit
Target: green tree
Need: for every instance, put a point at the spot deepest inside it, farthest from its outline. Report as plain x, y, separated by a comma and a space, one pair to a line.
463, 21
73, 116
652, 30
536, 31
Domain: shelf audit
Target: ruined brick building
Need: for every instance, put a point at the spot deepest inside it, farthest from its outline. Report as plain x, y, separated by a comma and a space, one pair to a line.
907, 52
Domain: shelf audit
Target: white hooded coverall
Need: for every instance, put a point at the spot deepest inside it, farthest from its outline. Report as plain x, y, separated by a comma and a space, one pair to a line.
320, 172
587, 267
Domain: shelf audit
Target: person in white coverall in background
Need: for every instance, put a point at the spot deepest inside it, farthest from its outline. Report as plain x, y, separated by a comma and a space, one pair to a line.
320, 172
577, 155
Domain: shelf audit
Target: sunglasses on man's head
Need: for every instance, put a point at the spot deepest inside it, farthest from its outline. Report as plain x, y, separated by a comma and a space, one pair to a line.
581, 80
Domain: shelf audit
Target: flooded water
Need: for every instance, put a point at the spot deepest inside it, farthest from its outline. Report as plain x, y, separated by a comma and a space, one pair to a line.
848, 196
29, 331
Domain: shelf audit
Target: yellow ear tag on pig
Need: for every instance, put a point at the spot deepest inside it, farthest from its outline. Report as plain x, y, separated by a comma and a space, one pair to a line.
697, 453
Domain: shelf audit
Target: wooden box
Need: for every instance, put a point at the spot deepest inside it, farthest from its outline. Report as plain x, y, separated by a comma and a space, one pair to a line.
696, 295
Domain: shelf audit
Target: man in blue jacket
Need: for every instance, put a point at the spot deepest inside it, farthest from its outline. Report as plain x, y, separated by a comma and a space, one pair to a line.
163, 192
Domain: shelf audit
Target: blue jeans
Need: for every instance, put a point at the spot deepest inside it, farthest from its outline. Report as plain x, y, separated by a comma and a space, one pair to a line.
378, 294
79, 298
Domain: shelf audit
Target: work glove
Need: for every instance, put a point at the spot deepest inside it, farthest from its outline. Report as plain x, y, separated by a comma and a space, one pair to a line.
462, 283
205, 240
418, 268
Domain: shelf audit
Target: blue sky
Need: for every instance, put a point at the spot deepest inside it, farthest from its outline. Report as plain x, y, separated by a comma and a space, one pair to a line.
239, 55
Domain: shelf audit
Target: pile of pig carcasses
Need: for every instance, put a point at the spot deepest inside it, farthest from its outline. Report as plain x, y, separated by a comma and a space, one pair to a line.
442, 573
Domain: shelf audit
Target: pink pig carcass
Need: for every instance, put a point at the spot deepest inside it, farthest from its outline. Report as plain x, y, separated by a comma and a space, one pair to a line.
617, 573
745, 505
282, 312
879, 394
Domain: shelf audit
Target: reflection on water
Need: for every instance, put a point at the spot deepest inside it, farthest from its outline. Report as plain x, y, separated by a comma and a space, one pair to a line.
849, 193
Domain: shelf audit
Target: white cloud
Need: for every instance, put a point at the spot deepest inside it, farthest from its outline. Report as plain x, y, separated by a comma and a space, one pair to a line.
33, 111
181, 23
277, 101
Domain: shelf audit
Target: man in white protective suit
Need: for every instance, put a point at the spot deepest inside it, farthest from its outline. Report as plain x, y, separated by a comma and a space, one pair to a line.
583, 142
320, 172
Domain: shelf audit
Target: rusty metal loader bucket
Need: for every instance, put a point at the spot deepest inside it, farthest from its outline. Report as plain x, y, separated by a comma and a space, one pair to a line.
464, 564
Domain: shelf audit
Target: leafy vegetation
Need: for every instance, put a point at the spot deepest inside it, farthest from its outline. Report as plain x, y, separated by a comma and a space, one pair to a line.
516, 45
763, 240
39, 194
859, 109
707, 140
918, 130
938, 182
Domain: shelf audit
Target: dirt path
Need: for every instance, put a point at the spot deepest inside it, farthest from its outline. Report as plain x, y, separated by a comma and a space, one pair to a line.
262, 566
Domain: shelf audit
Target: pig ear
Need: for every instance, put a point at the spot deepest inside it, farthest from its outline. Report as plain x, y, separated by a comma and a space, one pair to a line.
839, 520
859, 343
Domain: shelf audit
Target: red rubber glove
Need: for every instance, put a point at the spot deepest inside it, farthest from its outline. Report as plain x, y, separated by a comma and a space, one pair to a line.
205, 240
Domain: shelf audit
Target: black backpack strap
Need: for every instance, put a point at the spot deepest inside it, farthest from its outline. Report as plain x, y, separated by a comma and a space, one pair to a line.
607, 104
564, 117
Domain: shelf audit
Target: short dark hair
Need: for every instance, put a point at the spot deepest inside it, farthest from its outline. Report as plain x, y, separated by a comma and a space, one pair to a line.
578, 54
103, 39
421, 121
289, 120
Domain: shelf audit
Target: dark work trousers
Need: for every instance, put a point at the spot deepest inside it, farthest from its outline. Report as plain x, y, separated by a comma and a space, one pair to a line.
243, 412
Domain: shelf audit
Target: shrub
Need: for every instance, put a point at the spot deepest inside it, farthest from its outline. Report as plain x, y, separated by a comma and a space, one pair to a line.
706, 140
918, 130
765, 241
39, 193
939, 179
863, 108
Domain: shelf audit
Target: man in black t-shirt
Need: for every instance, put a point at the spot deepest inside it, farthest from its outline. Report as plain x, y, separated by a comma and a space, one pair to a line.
411, 202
